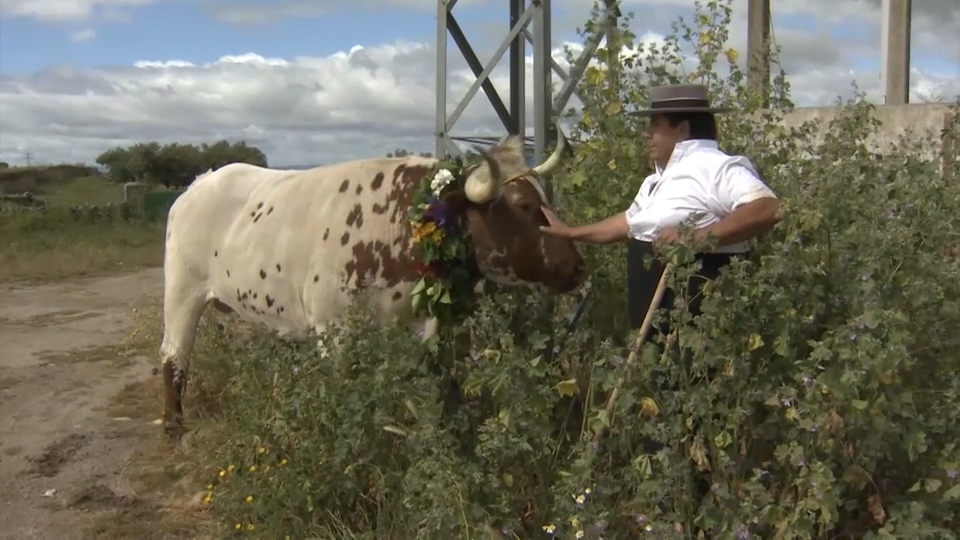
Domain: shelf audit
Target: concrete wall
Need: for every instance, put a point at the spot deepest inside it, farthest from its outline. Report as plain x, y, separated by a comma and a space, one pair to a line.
896, 119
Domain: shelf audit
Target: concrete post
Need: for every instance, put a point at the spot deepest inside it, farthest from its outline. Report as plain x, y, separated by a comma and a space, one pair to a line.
895, 52
758, 49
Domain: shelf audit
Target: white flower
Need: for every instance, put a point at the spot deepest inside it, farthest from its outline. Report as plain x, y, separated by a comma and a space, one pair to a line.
440, 181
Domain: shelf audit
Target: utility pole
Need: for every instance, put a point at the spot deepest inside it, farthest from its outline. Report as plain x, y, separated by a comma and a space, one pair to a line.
28, 156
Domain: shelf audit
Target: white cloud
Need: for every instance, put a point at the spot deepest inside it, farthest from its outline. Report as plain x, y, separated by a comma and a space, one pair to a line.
83, 35
362, 102
63, 10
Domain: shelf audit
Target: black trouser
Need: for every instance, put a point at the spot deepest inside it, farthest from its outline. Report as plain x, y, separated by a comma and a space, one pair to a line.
641, 286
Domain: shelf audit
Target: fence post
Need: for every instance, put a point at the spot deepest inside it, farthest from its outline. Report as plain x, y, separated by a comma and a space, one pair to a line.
949, 143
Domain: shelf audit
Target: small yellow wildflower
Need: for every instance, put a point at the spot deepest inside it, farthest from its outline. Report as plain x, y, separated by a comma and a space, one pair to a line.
238, 526
575, 522
253, 468
261, 450
732, 56
579, 534
550, 529
283, 462
580, 499
231, 467
249, 498
209, 487
208, 498
588, 491
222, 473
250, 527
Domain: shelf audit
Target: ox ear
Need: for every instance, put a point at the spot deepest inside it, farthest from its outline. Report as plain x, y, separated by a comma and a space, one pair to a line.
456, 201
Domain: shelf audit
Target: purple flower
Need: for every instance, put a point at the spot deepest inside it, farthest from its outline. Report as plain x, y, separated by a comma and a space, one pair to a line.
439, 213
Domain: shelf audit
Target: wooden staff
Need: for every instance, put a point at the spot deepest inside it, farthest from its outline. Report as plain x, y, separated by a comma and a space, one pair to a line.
635, 351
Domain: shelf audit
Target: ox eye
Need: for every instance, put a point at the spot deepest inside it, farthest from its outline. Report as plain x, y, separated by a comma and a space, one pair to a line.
526, 206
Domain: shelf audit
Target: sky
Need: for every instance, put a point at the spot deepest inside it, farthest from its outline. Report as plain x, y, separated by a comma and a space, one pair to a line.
318, 81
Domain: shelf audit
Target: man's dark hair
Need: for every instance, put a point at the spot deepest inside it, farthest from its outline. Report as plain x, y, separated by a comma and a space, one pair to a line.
702, 125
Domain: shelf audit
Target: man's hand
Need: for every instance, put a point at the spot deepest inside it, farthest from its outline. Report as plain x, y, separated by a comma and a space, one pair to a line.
555, 227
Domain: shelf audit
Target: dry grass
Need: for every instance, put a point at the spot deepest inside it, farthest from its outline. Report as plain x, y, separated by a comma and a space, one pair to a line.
162, 475
35, 247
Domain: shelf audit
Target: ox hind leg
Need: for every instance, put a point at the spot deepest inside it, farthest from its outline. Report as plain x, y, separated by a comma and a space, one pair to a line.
182, 309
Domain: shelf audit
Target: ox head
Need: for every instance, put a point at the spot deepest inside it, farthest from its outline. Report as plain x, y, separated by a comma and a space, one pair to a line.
502, 213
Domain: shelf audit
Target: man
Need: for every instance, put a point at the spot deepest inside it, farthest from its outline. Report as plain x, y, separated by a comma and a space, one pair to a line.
723, 194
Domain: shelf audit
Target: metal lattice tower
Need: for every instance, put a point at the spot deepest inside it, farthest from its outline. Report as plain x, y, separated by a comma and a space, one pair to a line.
547, 106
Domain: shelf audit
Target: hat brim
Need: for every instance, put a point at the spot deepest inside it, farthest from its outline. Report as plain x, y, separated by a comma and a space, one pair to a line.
661, 110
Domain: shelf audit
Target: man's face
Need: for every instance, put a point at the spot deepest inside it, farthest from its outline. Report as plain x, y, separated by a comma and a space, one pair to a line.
661, 137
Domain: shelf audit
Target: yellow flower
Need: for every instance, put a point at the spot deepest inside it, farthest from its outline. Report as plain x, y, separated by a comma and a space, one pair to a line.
210, 487
238, 526
579, 534
575, 522
250, 527
261, 450
732, 56
249, 498
428, 231
550, 529
231, 467
283, 462
222, 473
253, 468
207, 499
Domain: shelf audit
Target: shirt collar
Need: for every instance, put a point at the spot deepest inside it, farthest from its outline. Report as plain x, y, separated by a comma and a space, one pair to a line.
684, 148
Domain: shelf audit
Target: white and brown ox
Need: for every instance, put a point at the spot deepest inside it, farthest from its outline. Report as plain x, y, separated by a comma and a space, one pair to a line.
286, 248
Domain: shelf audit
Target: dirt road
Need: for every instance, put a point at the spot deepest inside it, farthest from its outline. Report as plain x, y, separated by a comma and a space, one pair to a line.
74, 406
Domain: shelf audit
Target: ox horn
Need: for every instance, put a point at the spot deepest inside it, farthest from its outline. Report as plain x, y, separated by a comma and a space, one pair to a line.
551, 163
484, 183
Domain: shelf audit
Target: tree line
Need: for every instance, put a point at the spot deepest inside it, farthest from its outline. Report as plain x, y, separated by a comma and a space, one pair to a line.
175, 164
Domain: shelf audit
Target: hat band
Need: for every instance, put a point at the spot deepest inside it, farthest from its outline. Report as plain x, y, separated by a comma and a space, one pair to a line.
689, 103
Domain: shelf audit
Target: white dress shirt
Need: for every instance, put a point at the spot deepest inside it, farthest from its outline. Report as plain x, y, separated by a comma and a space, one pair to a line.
699, 179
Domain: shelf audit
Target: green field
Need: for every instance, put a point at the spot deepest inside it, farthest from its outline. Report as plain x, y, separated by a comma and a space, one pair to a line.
56, 245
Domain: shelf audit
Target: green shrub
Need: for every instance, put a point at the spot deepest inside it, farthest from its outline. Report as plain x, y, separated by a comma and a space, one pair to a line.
822, 400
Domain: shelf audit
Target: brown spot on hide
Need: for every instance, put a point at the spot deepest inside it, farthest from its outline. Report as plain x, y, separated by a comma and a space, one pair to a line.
372, 260
326, 234
256, 219
268, 300
244, 296
228, 273
263, 274
253, 213
377, 181
397, 296
393, 262
355, 216
269, 210
278, 268
215, 253
344, 239
344, 186
359, 189
316, 278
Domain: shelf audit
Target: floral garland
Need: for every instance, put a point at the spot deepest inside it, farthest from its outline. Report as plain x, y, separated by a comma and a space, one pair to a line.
440, 245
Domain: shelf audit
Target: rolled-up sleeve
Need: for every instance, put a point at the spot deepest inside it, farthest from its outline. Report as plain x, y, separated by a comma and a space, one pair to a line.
634, 219
738, 184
